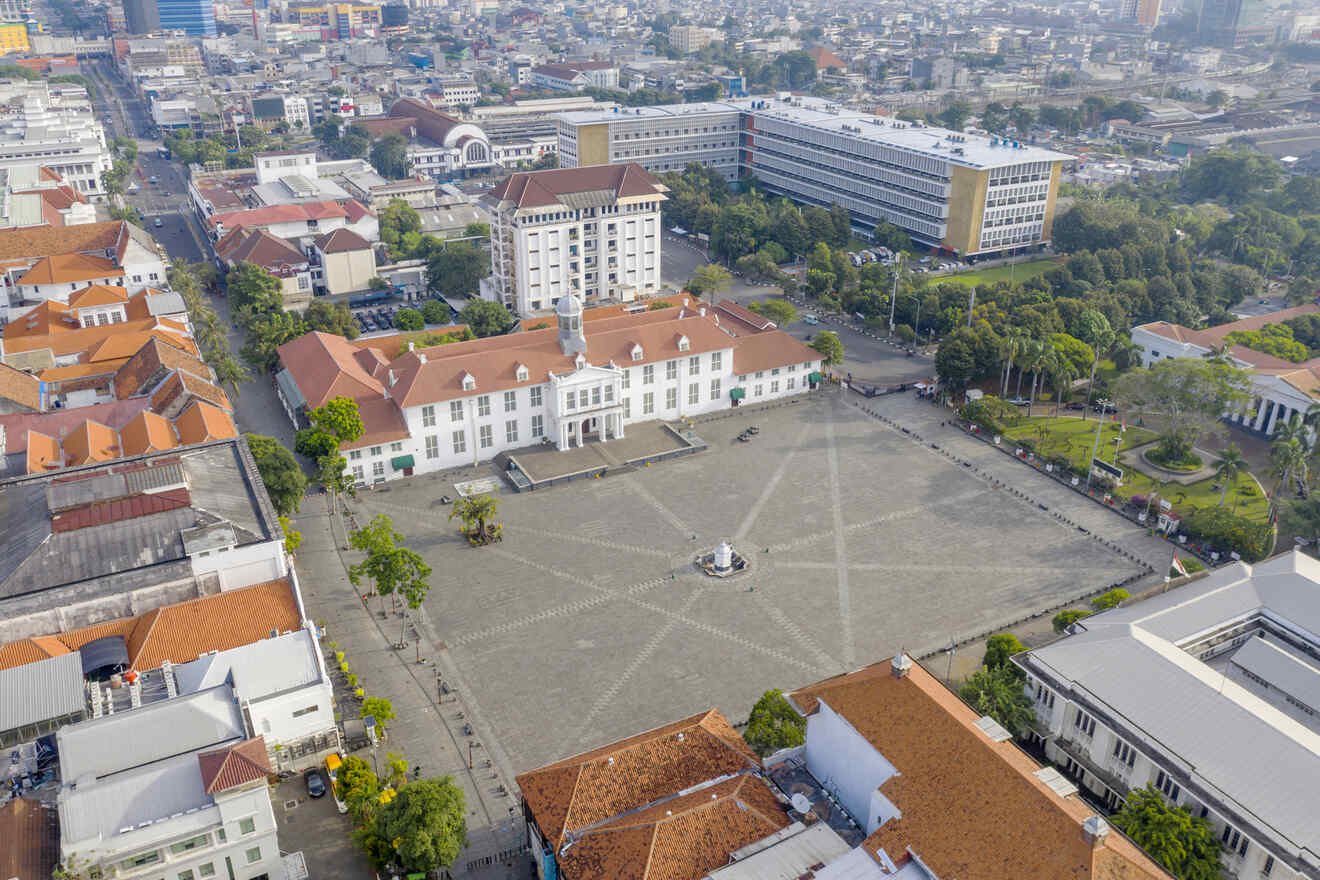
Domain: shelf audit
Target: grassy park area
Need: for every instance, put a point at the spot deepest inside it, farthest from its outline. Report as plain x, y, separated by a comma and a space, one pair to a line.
1014, 272
1074, 438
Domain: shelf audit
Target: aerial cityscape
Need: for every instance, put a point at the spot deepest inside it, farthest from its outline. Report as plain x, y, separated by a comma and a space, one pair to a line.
484, 439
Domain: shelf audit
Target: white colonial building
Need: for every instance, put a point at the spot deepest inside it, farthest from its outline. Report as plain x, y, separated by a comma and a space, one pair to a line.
1211, 694
1280, 389
592, 233
583, 381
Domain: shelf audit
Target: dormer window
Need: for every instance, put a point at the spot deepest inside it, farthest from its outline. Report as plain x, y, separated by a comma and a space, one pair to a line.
636, 352
469, 382
522, 373
683, 344
580, 361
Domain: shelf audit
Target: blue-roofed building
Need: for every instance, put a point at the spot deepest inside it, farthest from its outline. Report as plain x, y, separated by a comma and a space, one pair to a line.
195, 17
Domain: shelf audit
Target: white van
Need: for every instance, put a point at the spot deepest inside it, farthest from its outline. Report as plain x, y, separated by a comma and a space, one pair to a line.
810, 319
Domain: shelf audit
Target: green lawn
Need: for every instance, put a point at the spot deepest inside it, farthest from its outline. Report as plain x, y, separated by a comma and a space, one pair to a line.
1075, 438
1015, 273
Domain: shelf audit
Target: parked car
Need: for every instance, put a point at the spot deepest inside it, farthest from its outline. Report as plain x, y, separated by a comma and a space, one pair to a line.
315, 784
1074, 405
1019, 401
157, 223
810, 319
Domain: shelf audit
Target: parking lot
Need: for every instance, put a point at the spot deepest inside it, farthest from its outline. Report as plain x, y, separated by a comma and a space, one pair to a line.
590, 622
315, 827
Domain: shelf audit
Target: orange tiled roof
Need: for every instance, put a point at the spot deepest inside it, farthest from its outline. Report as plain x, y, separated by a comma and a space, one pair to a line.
20, 387
91, 441
31, 832
98, 295
323, 366
602, 784
51, 325
684, 838
201, 422
236, 765
970, 806
150, 364
69, 269
178, 633
535, 189
147, 432
30, 242
43, 453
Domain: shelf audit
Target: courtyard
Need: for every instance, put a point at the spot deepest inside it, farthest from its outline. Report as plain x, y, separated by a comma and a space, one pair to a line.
589, 621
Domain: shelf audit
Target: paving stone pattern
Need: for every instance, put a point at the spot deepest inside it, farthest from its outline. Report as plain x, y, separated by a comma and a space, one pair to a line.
588, 622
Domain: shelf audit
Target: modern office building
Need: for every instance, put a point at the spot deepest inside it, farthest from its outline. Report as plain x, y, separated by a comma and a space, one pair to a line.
967, 195
1144, 12
1231, 23
141, 16
590, 232
1210, 693
194, 17
336, 20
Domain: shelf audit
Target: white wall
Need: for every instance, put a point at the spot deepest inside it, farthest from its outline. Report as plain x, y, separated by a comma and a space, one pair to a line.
846, 764
244, 566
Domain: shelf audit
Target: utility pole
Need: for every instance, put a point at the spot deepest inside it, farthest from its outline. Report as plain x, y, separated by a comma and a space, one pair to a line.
971, 304
1090, 468
893, 298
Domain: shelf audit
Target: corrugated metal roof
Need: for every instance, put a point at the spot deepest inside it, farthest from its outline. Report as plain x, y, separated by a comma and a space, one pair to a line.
1283, 668
41, 691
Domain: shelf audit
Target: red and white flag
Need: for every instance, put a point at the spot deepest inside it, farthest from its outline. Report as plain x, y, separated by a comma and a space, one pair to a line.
1178, 566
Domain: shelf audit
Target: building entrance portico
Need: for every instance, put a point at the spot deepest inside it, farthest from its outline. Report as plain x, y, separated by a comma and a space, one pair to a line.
602, 427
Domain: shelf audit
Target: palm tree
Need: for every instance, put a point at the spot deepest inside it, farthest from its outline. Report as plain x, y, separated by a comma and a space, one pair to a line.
1020, 361
1061, 376
1294, 427
1009, 348
1231, 464
1100, 345
474, 513
1043, 356
1288, 462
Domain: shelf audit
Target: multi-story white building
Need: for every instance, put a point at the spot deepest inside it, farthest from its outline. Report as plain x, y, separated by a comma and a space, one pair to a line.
967, 195
1210, 693
172, 789
572, 76
296, 113
592, 233
688, 38
58, 131
462, 403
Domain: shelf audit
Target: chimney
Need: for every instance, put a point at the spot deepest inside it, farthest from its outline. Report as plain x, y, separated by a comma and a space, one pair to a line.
702, 311
410, 345
393, 378
901, 665
1095, 830
421, 358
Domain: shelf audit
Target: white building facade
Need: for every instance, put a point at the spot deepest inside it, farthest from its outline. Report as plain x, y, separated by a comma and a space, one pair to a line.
1211, 694
61, 133
594, 234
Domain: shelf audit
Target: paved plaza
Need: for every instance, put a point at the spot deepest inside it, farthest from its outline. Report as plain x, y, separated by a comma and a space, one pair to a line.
589, 622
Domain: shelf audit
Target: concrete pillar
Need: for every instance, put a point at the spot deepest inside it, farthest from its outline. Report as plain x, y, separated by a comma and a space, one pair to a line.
1275, 409
1258, 424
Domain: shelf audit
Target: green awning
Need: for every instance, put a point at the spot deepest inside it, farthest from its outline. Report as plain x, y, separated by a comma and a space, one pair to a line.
814, 378
737, 393
401, 461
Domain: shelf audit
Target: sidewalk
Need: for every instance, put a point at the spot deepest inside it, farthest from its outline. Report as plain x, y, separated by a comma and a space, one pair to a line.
427, 733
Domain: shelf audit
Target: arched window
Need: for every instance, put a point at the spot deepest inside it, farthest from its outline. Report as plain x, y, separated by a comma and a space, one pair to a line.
476, 152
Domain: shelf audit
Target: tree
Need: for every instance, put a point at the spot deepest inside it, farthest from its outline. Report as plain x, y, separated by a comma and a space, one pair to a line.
998, 693
253, 291
998, 648
486, 318
1302, 518
1185, 845
266, 332
426, 821
955, 362
1289, 462
828, 345
1067, 618
400, 228
393, 569
780, 311
409, 319
292, 537
378, 708
1231, 464
710, 281
955, 115
435, 311
457, 269
476, 512
389, 156
1189, 395
1093, 328
329, 317
1111, 599
842, 222
820, 226
339, 417
284, 480
774, 725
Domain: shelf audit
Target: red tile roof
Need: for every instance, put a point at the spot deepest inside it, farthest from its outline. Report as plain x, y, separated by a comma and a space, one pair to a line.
70, 268
236, 765
324, 367
534, 189
29, 243
178, 633
30, 831
969, 806
260, 247
272, 214
341, 241
119, 510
